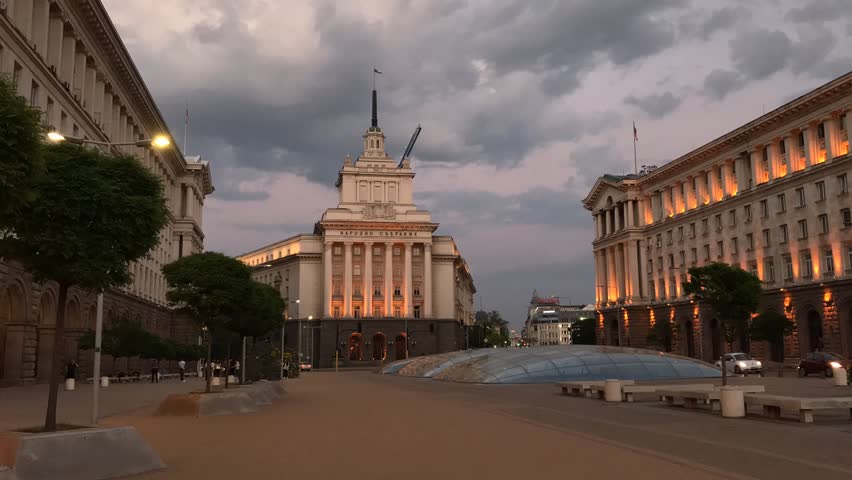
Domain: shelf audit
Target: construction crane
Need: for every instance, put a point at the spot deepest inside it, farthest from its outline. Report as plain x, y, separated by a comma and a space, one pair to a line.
410, 145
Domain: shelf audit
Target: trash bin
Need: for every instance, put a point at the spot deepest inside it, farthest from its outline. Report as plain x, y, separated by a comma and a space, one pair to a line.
70, 383
612, 390
733, 402
104, 381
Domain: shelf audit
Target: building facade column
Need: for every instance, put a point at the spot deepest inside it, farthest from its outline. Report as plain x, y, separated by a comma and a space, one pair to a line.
628, 217
616, 213
347, 279
832, 135
689, 189
633, 269
702, 196
326, 259
810, 134
597, 219
388, 279
775, 160
427, 280
666, 197
407, 278
741, 164
791, 149
605, 230
367, 287
612, 279
728, 181
618, 250
598, 277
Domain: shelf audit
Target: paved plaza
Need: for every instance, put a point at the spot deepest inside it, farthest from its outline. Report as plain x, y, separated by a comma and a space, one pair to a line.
358, 424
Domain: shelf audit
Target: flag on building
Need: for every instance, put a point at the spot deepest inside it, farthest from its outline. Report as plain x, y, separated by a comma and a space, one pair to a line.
376, 70
635, 133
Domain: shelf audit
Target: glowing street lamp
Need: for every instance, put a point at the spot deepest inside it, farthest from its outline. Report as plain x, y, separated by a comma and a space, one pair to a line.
158, 141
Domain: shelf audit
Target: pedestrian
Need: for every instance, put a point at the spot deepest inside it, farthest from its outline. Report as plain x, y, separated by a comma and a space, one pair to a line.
155, 373
182, 370
71, 370
237, 369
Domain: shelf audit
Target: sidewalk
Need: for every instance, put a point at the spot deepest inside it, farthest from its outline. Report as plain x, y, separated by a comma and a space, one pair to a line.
25, 406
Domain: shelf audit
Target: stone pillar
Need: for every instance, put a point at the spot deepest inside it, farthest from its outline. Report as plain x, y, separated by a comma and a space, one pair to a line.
605, 215
41, 20
713, 184
701, 187
407, 278
633, 270
642, 290
427, 280
598, 277
667, 209
689, 187
388, 279
347, 279
55, 34
742, 173
832, 136
810, 133
69, 43
24, 17
728, 179
791, 146
618, 252
754, 155
628, 219
327, 277
616, 213
367, 287
775, 160
611, 277
597, 219
79, 84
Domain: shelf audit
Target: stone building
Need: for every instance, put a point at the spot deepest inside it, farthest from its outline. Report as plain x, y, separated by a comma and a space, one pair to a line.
549, 322
771, 196
373, 273
67, 59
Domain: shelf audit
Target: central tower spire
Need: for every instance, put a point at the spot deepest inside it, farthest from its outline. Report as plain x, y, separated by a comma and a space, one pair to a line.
375, 110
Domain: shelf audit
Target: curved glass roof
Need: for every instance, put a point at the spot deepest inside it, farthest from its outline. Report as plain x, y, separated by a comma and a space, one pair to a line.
553, 364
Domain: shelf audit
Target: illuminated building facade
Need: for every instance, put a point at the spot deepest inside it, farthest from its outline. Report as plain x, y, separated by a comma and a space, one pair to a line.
373, 272
66, 58
771, 197
549, 323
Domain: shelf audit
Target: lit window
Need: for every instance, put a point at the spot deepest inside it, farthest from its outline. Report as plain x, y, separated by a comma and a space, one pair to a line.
806, 263
828, 261
823, 223
803, 229
820, 187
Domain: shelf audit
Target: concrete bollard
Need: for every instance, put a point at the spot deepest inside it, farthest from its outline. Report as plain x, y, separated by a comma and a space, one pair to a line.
104, 381
839, 376
232, 379
70, 383
733, 402
612, 391
214, 381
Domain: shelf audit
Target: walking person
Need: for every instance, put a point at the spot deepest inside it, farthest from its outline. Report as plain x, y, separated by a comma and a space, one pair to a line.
237, 369
182, 370
155, 373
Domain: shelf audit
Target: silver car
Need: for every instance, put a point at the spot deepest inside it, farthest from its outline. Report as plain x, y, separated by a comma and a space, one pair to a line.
741, 364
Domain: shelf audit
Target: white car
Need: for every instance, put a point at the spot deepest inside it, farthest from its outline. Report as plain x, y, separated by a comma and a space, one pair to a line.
305, 366
741, 364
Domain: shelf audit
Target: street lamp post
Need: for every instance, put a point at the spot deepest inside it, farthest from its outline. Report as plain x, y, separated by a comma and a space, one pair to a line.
158, 141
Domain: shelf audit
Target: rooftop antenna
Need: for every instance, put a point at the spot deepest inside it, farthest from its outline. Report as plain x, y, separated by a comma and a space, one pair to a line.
410, 145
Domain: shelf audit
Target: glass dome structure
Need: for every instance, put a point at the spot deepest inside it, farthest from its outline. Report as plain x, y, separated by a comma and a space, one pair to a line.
561, 363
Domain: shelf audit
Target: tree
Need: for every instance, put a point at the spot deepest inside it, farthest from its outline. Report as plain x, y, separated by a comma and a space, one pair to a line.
95, 214
583, 332
494, 329
731, 292
21, 149
261, 313
211, 288
771, 326
661, 335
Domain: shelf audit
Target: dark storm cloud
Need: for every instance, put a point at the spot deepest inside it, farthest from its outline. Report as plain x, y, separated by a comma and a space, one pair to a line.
811, 50
820, 11
719, 83
758, 54
237, 195
722, 19
654, 105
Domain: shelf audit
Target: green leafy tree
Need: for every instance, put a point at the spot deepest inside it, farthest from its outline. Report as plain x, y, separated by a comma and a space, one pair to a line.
494, 329
21, 149
211, 288
771, 326
661, 335
733, 293
96, 213
261, 313
583, 332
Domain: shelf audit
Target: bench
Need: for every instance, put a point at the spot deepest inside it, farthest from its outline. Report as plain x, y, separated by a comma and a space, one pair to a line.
773, 404
628, 392
690, 397
584, 388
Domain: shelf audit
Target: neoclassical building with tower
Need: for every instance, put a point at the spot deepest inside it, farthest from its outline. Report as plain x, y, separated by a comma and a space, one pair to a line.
373, 281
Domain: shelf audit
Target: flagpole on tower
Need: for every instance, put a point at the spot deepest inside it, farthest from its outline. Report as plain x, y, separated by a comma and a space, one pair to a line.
635, 161
185, 127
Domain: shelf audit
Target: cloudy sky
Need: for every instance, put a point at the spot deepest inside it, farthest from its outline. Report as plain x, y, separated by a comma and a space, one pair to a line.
523, 105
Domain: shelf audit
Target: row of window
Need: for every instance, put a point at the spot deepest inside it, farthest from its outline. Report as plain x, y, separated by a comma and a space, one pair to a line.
377, 291
377, 251
768, 276
378, 311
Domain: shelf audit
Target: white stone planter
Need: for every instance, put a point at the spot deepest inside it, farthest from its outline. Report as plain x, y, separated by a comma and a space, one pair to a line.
232, 379
839, 376
733, 402
104, 381
70, 383
214, 381
612, 390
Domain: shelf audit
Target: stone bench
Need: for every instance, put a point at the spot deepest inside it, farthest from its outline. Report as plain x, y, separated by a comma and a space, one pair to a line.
584, 388
628, 392
773, 404
690, 397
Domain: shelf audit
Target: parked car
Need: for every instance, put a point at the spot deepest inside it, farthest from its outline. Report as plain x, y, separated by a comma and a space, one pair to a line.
741, 364
821, 362
305, 366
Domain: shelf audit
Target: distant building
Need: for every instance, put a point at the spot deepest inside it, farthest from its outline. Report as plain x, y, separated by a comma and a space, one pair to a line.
549, 323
